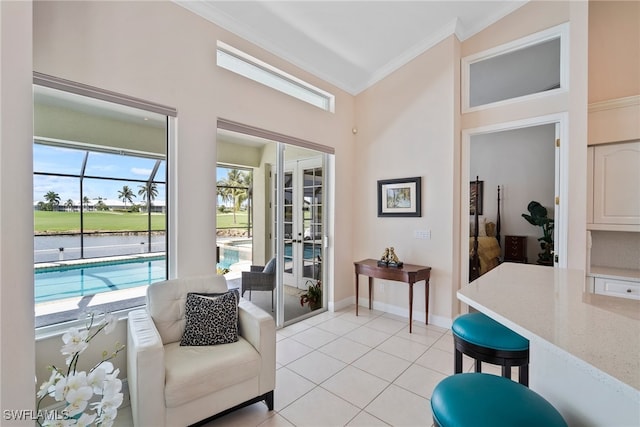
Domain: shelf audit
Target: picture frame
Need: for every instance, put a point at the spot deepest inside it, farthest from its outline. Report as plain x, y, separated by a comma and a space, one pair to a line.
400, 197
475, 190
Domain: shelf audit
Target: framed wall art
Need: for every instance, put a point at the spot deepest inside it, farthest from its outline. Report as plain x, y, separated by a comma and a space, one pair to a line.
400, 197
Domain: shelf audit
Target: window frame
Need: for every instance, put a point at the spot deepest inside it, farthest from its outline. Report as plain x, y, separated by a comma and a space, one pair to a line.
558, 32
170, 130
237, 61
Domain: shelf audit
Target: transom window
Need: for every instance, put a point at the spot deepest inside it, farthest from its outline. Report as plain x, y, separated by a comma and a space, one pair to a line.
252, 68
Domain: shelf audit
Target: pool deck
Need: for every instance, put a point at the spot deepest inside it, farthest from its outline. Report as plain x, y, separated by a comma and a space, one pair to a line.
88, 261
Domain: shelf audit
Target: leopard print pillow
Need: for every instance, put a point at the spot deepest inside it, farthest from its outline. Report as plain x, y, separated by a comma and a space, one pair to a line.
211, 318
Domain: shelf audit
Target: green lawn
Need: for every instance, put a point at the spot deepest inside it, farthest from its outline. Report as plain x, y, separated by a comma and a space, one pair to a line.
225, 220
96, 221
58, 222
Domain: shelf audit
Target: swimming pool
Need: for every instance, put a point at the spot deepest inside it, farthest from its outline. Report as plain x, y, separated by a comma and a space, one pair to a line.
65, 281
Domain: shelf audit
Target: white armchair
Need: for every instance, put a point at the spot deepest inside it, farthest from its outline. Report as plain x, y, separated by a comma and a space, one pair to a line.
172, 385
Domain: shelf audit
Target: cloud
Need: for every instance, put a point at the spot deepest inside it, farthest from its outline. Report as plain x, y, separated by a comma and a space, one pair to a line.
141, 171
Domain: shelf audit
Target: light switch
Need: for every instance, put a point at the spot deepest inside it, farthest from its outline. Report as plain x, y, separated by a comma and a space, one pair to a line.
422, 234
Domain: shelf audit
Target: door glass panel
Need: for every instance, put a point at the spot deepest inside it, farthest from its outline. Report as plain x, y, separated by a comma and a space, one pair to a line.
289, 238
303, 247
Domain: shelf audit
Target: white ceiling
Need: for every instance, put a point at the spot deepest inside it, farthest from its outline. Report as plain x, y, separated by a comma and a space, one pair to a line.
351, 44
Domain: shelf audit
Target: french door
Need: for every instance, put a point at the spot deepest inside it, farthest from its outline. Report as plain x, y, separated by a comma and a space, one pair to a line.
303, 203
303, 189
303, 225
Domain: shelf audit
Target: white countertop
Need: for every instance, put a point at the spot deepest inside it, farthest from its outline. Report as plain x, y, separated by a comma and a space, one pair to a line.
615, 273
599, 333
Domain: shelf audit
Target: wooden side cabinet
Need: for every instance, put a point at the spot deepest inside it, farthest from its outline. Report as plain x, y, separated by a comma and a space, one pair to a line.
515, 249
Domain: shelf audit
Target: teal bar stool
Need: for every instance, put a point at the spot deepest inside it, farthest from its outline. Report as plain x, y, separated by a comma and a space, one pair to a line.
479, 400
486, 340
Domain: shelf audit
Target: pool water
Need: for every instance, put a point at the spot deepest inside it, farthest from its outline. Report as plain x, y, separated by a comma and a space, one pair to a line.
59, 282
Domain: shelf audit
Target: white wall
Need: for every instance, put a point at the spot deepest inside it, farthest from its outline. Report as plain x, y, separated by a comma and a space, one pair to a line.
409, 124
160, 52
522, 163
406, 127
16, 211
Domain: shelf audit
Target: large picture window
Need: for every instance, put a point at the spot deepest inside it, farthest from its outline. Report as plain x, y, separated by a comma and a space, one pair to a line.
99, 204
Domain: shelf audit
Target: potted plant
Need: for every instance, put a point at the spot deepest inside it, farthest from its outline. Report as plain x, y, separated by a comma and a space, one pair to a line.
313, 295
538, 217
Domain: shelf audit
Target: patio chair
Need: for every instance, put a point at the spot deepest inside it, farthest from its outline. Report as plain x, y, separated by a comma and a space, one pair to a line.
260, 278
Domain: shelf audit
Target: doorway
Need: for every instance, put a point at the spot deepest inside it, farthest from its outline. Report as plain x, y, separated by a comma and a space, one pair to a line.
540, 137
288, 217
303, 220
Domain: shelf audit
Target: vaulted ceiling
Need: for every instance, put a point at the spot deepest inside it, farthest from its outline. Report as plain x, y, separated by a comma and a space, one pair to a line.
351, 44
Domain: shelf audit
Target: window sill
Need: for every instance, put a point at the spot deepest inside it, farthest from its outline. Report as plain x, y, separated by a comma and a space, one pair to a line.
55, 317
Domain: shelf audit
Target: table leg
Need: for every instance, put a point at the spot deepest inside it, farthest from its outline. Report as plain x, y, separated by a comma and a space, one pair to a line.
426, 302
357, 283
410, 306
370, 291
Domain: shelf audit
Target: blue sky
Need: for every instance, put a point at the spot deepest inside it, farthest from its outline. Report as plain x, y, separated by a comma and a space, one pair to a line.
69, 161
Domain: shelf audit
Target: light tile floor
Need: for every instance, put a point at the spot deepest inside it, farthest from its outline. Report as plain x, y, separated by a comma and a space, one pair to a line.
336, 369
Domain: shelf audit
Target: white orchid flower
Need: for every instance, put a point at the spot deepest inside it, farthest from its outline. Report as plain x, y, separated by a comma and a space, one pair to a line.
106, 419
108, 404
107, 367
95, 380
77, 381
85, 420
111, 386
111, 322
78, 400
76, 407
74, 342
60, 389
47, 386
78, 387
59, 423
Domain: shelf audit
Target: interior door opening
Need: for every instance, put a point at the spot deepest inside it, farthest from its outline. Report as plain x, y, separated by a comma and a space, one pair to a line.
524, 162
286, 207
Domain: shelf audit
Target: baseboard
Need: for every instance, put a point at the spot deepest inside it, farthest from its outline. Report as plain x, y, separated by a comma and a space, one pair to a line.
440, 321
342, 304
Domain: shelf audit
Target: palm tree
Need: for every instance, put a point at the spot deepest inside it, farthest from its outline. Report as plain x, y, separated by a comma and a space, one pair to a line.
126, 194
230, 189
69, 204
53, 199
101, 206
86, 202
149, 192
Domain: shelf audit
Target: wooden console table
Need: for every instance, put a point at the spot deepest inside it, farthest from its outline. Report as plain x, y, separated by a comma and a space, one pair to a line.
409, 273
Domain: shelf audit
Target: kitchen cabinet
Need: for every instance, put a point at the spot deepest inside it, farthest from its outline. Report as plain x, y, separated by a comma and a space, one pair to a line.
617, 288
614, 179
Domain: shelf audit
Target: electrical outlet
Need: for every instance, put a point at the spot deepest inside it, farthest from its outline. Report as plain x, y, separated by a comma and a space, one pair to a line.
422, 234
